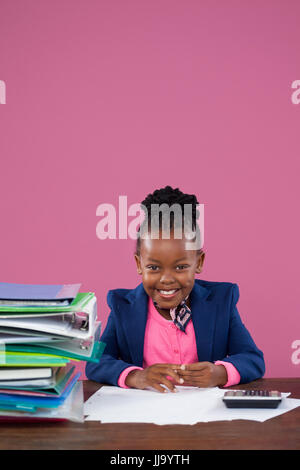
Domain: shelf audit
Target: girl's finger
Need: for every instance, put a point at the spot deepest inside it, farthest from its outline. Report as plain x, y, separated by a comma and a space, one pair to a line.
173, 366
196, 383
169, 371
158, 387
195, 366
174, 374
163, 380
192, 373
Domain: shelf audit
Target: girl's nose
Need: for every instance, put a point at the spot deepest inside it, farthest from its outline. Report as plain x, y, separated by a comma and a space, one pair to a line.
166, 277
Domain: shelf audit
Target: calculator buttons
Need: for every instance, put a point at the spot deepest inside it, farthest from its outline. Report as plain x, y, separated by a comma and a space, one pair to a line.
252, 398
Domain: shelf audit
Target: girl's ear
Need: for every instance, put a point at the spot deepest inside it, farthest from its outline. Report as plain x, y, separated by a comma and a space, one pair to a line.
138, 263
200, 262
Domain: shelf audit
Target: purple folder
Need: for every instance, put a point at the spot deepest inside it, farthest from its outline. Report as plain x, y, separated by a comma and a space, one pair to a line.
61, 292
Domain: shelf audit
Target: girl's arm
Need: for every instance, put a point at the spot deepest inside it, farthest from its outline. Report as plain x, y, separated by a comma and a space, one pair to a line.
242, 351
110, 365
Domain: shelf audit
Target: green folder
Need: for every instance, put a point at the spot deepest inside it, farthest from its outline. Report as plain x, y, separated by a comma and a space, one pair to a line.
97, 351
81, 299
23, 359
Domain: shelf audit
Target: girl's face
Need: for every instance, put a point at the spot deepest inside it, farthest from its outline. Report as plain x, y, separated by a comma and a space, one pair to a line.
168, 270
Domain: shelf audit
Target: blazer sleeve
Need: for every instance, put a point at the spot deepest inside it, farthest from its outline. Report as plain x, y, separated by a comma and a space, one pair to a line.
110, 366
242, 352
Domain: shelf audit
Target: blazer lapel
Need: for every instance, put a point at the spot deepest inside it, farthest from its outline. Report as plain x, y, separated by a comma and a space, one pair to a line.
203, 318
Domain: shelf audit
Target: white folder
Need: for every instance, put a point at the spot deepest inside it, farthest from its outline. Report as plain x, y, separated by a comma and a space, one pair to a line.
71, 324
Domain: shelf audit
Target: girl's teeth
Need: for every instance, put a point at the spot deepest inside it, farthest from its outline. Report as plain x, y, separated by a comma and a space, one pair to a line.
167, 292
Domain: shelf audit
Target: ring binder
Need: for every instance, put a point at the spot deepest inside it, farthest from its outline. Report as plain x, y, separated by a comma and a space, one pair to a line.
77, 324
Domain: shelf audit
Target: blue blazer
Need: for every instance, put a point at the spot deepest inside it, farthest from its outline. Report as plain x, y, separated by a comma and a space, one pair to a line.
219, 331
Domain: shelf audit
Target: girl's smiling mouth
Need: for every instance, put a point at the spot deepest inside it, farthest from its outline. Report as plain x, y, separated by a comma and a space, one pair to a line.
167, 293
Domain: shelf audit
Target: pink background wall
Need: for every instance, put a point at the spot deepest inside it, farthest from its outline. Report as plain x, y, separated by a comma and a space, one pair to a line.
113, 97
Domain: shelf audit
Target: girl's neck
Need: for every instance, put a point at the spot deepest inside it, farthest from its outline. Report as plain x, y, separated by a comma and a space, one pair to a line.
165, 312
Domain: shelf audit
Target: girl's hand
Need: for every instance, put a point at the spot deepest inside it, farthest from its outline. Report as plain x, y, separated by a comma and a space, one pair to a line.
153, 376
203, 374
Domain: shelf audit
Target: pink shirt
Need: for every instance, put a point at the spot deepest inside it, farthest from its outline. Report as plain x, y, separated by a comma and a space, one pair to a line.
165, 343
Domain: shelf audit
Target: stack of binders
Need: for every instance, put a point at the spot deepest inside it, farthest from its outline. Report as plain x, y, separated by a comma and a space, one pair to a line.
44, 330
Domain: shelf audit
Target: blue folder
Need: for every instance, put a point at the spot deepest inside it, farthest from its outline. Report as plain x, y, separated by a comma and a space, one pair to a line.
30, 404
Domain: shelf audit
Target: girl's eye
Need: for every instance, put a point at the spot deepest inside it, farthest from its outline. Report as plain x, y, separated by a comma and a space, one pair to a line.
181, 267
152, 267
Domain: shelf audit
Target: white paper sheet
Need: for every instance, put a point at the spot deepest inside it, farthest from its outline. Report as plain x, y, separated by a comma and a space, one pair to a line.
189, 405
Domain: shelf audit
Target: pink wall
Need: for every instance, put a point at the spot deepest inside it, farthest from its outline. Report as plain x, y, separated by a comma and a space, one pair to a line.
113, 97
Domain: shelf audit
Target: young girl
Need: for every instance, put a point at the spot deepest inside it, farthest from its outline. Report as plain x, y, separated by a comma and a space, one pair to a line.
172, 328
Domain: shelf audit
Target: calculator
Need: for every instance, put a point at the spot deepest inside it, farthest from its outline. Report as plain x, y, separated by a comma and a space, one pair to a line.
252, 398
